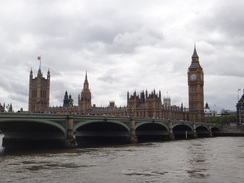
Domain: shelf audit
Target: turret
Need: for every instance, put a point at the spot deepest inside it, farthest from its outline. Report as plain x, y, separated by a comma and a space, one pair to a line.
66, 95
31, 74
48, 74
39, 73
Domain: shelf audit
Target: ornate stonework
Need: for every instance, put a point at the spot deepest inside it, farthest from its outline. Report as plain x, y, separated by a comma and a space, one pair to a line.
39, 92
196, 92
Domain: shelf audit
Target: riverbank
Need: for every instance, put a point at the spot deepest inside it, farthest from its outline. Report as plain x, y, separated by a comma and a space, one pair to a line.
231, 131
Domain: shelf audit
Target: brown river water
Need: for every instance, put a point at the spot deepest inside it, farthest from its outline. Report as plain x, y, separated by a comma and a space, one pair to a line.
215, 160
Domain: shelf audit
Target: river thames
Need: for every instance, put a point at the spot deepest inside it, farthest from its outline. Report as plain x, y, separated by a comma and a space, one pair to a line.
219, 159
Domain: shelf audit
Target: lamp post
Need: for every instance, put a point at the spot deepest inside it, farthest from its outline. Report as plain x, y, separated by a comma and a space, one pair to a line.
238, 91
240, 111
239, 105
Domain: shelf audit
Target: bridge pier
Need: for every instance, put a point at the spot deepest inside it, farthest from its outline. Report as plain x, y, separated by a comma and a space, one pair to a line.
70, 138
194, 130
171, 133
133, 137
210, 134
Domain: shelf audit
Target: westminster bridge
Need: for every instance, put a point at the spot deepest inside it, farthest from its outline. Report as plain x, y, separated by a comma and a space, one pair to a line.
69, 130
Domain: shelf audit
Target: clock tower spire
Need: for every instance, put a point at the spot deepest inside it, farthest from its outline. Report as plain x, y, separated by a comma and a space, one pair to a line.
195, 87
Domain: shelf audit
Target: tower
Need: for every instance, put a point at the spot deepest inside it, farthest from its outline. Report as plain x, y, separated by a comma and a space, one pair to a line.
68, 101
39, 92
167, 101
84, 99
195, 86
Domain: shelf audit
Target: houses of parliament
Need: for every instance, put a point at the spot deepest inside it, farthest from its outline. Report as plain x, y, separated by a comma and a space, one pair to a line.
143, 104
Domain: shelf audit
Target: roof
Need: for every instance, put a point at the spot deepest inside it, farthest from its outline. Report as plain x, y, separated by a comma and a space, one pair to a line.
195, 55
194, 65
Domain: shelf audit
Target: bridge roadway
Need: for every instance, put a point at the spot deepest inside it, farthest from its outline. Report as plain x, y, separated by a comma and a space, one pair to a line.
69, 130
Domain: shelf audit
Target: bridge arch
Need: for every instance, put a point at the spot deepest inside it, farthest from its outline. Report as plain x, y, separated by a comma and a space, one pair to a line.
106, 131
83, 123
32, 132
215, 131
29, 124
182, 124
153, 123
151, 131
202, 131
182, 131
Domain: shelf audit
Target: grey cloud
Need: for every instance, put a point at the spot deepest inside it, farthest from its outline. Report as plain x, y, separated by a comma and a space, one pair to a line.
19, 98
129, 45
107, 79
224, 23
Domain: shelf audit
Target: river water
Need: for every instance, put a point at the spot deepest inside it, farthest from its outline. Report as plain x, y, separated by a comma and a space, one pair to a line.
219, 159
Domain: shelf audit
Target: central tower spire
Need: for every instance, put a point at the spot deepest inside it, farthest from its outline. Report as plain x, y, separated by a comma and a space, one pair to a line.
84, 99
86, 84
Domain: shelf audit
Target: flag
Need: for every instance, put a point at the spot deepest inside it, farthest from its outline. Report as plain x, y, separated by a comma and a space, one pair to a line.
39, 58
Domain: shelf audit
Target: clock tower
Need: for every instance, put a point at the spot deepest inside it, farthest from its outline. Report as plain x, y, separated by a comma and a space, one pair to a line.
84, 99
195, 86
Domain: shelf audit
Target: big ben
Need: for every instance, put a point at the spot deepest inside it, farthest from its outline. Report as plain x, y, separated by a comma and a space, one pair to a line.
196, 92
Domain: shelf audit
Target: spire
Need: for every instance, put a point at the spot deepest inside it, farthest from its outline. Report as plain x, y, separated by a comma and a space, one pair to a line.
86, 77
195, 55
48, 74
206, 106
66, 95
39, 73
31, 74
86, 84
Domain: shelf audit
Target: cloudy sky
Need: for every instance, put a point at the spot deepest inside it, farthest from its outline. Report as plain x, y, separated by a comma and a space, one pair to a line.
124, 45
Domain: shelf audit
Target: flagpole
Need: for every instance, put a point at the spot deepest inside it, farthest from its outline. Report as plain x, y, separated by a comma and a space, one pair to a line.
40, 59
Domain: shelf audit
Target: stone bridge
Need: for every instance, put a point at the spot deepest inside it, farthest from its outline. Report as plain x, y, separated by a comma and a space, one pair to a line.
69, 130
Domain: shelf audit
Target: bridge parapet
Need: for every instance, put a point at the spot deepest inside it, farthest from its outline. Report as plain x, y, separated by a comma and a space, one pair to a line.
87, 119
60, 120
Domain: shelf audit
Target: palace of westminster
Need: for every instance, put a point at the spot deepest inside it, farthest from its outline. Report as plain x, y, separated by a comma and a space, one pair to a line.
144, 104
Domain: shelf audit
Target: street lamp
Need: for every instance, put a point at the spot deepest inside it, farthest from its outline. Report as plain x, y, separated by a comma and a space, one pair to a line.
240, 112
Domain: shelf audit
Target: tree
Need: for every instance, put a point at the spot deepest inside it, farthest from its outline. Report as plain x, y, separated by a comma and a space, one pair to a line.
221, 120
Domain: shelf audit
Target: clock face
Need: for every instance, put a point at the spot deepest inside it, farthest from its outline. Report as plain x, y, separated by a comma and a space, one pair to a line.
193, 77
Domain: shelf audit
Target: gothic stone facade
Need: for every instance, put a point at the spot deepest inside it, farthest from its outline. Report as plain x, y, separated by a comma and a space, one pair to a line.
39, 92
150, 105
143, 104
